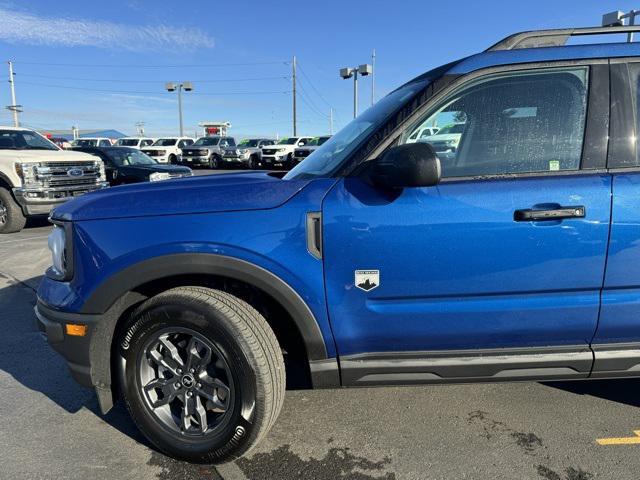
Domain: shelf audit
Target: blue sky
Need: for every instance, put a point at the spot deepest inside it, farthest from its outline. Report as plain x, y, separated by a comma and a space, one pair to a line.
104, 64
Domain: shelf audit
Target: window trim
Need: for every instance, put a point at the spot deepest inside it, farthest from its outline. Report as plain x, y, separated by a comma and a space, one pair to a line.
596, 130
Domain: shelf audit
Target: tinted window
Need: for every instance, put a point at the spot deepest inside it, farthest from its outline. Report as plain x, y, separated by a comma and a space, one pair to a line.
24, 140
511, 123
105, 143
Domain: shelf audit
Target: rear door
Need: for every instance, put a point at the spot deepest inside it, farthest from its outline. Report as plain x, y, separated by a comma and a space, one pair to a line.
617, 341
420, 281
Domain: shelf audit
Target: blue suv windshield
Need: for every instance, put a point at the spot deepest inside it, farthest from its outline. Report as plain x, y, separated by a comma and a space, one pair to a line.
329, 157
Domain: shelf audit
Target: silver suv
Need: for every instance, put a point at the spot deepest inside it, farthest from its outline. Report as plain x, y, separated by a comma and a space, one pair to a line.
207, 151
247, 153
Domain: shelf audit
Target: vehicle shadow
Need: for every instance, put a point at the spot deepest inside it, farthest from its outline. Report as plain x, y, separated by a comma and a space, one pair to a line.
28, 359
624, 391
37, 221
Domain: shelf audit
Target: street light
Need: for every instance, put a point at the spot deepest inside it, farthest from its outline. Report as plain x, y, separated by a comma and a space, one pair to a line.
616, 19
187, 87
347, 72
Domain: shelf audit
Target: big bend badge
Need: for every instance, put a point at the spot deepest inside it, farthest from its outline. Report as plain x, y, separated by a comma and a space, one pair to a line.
367, 279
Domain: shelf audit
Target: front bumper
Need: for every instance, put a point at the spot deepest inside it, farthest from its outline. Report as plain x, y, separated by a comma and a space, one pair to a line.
235, 158
41, 200
75, 350
195, 160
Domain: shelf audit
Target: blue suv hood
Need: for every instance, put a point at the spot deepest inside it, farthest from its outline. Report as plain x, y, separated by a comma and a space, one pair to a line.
212, 193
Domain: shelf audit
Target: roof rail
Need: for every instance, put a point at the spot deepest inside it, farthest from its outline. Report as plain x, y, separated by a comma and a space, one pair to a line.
556, 37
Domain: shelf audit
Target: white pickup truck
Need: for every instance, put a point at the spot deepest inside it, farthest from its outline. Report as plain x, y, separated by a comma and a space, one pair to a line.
281, 154
36, 176
168, 149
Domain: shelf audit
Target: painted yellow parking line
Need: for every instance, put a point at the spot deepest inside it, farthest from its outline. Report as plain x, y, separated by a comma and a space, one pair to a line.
621, 440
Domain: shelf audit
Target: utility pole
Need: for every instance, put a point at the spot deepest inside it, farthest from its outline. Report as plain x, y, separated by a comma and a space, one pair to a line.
15, 108
295, 126
330, 120
373, 77
140, 128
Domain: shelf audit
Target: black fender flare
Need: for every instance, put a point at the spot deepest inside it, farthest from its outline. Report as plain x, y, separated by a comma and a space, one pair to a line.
119, 285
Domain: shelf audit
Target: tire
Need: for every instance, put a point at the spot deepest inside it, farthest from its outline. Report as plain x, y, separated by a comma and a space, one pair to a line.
244, 397
172, 159
288, 165
214, 162
11, 217
253, 162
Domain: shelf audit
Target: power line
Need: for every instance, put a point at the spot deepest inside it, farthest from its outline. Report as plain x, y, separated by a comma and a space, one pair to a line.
186, 65
314, 88
119, 80
305, 98
147, 92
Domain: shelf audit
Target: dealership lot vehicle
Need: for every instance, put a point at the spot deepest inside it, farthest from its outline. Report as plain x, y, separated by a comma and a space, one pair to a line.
207, 151
124, 165
281, 154
373, 262
445, 142
91, 142
422, 133
168, 150
247, 154
134, 142
301, 153
36, 175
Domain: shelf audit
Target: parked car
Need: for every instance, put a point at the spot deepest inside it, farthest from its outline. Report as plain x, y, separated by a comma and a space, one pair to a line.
134, 142
422, 132
446, 141
301, 153
281, 154
168, 150
36, 175
125, 165
91, 142
248, 153
207, 151
61, 142
372, 262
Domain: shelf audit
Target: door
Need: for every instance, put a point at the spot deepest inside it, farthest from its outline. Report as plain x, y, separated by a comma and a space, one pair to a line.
507, 252
616, 344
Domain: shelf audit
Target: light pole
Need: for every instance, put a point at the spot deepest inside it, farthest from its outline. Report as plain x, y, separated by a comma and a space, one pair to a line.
187, 87
347, 72
616, 19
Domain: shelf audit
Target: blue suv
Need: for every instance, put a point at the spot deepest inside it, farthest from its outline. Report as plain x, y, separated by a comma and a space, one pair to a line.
506, 249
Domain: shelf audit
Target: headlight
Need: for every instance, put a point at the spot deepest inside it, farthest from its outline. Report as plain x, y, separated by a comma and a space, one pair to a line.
27, 171
155, 176
100, 165
161, 152
242, 151
61, 266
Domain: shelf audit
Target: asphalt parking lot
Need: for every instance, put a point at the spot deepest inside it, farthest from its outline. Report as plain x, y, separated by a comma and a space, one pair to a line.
51, 428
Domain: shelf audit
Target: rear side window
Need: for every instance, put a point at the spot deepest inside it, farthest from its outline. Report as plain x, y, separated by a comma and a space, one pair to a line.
519, 122
625, 116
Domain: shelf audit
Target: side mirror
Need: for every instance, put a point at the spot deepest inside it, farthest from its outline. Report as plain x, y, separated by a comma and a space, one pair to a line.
408, 165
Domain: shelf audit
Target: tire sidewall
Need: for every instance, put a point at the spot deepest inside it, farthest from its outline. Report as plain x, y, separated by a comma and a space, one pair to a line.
15, 218
210, 323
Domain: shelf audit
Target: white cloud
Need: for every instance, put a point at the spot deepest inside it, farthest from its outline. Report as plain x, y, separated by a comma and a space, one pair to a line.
18, 27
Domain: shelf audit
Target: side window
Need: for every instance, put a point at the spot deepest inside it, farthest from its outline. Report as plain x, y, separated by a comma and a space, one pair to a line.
182, 144
105, 143
520, 122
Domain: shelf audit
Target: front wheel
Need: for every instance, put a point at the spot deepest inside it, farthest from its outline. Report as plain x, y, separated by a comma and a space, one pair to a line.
173, 159
214, 163
11, 217
253, 162
203, 374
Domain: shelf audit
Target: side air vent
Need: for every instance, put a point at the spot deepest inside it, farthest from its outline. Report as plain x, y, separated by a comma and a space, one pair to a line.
314, 234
